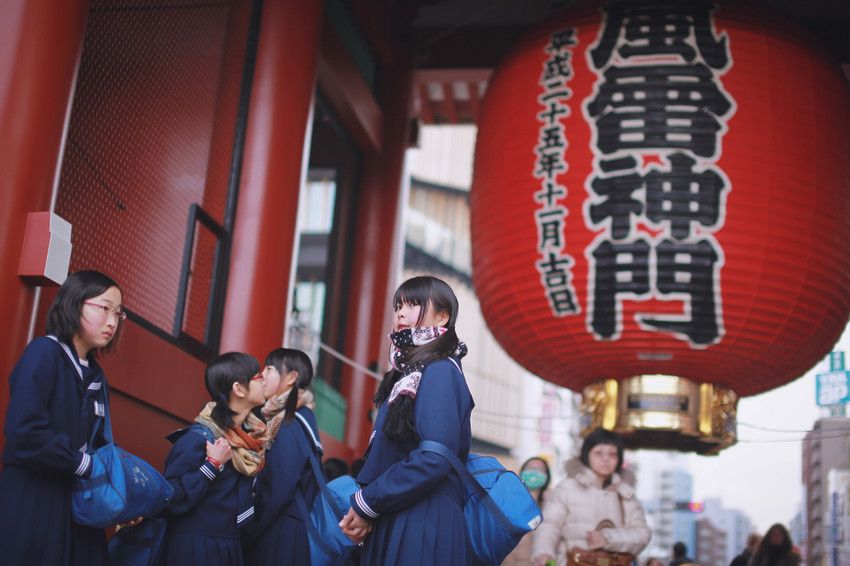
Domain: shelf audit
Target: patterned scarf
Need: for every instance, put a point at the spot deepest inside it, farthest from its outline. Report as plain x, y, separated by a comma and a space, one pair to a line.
402, 345
274, 413
248, 447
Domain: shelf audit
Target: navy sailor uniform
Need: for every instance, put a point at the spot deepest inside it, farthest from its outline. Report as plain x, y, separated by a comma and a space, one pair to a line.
49, 422
414, 498
208, 507
278, 535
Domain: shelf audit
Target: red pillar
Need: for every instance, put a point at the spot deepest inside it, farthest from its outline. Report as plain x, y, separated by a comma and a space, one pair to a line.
40, 46
264, 228
372, 264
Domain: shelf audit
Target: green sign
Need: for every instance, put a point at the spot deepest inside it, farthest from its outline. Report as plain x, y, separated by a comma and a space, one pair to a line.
836, 361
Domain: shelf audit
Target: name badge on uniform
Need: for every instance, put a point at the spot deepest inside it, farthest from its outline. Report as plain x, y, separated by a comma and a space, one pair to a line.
99, 409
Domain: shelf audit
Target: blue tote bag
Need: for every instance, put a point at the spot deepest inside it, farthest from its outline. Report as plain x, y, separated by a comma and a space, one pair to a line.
121, 486
498, 510
328, 544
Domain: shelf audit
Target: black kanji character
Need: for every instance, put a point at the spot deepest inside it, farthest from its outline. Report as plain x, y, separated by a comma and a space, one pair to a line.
548, 164
681, 195
550, 225
555, 275
660, 28
562, 39
619, 205
557, 66
551, 138
554, 110
617, 268
557, 92
659, 107
550, 192
688, 269
562, 301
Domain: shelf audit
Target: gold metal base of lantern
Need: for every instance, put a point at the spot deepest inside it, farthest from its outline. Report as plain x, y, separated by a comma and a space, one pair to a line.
663, 412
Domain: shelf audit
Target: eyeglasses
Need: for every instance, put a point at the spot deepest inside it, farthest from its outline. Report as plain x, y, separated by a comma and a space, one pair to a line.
258, 377
108, 311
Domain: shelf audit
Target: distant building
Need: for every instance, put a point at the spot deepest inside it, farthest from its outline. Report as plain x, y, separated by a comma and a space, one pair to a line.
517, 415
735, 524
669, 512
797, 528
710, 548
838, 518
826, 447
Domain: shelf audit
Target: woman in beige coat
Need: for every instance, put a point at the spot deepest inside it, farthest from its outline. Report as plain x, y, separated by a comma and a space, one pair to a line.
594, 491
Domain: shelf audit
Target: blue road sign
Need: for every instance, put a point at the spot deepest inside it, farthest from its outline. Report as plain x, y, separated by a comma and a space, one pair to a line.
832, 388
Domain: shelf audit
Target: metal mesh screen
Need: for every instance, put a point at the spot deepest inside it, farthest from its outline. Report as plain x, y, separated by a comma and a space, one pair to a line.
152, 132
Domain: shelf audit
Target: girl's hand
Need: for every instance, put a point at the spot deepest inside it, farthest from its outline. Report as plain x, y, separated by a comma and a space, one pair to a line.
595, 540
355, 527
219, 451
543, 559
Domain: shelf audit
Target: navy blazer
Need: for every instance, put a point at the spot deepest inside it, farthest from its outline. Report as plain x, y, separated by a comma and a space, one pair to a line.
287, 469
205, 501
396, 476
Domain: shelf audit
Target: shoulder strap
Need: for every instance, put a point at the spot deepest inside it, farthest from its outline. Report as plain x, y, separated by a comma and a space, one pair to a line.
315, 536
470, 481
204, 431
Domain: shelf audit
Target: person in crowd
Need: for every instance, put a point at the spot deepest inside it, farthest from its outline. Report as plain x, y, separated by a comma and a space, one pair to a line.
680, 555
57, 391
652, 561
278, 535
775, 549
213, 480
334, 468
536, 476
411, 499
594, 508
744, 558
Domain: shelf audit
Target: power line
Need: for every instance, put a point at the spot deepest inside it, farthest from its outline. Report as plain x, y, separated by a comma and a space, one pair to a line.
489, 416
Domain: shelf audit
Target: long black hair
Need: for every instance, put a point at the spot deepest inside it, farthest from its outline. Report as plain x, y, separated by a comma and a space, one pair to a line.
63, 318
221, 374
767, 549
425, 291
285, 360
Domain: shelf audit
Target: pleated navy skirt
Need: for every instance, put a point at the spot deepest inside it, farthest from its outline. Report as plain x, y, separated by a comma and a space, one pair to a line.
284, 542
432, 532
182, 549
36, 525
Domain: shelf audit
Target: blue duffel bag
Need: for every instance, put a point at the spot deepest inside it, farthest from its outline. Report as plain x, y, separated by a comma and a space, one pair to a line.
328, 544
121, 486
498, 508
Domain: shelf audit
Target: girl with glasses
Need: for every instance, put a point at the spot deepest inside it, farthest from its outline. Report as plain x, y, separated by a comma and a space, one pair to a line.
57, 391
213, 464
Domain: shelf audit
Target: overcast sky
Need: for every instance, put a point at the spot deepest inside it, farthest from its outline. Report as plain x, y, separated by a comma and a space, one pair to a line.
764, 477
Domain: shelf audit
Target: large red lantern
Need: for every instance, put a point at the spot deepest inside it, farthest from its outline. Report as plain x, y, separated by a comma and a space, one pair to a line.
664, 188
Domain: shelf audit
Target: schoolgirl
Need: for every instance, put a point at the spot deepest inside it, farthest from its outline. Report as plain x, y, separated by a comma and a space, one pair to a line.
212, 466
412, 500
278, 535
57, 391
